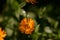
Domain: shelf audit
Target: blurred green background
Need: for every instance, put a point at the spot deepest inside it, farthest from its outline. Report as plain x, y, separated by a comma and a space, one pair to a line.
46, 14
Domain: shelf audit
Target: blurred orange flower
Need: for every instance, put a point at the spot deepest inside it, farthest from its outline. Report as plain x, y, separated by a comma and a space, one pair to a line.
27, 26
31, 1
2, 34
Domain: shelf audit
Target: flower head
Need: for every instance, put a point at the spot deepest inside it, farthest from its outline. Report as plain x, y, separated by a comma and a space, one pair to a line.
31, 1
27, 26
2, 34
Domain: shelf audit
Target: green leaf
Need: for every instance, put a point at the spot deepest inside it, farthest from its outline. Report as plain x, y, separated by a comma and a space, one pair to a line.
1, 19
50, 20
11, 22
42, 12
22, 4
37, 29
19, 12
9, 31
31, 15
56, 24
36, 34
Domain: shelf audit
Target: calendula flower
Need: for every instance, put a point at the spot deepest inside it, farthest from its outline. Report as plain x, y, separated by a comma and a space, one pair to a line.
27, 26
31, 1
2, 34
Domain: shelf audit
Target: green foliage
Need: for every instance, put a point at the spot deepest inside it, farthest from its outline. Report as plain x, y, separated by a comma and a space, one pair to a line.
44, 30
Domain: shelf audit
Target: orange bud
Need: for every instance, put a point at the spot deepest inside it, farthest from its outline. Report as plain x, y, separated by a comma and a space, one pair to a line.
31, 1
27, 26
2, 34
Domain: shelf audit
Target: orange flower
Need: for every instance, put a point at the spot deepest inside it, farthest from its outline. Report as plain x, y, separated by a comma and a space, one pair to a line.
2, 34
27, 26
31, 1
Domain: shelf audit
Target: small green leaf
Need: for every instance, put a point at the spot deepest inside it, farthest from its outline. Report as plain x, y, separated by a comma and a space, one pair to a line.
22, 4
56, 24
37, 28
19, 12
8, 31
